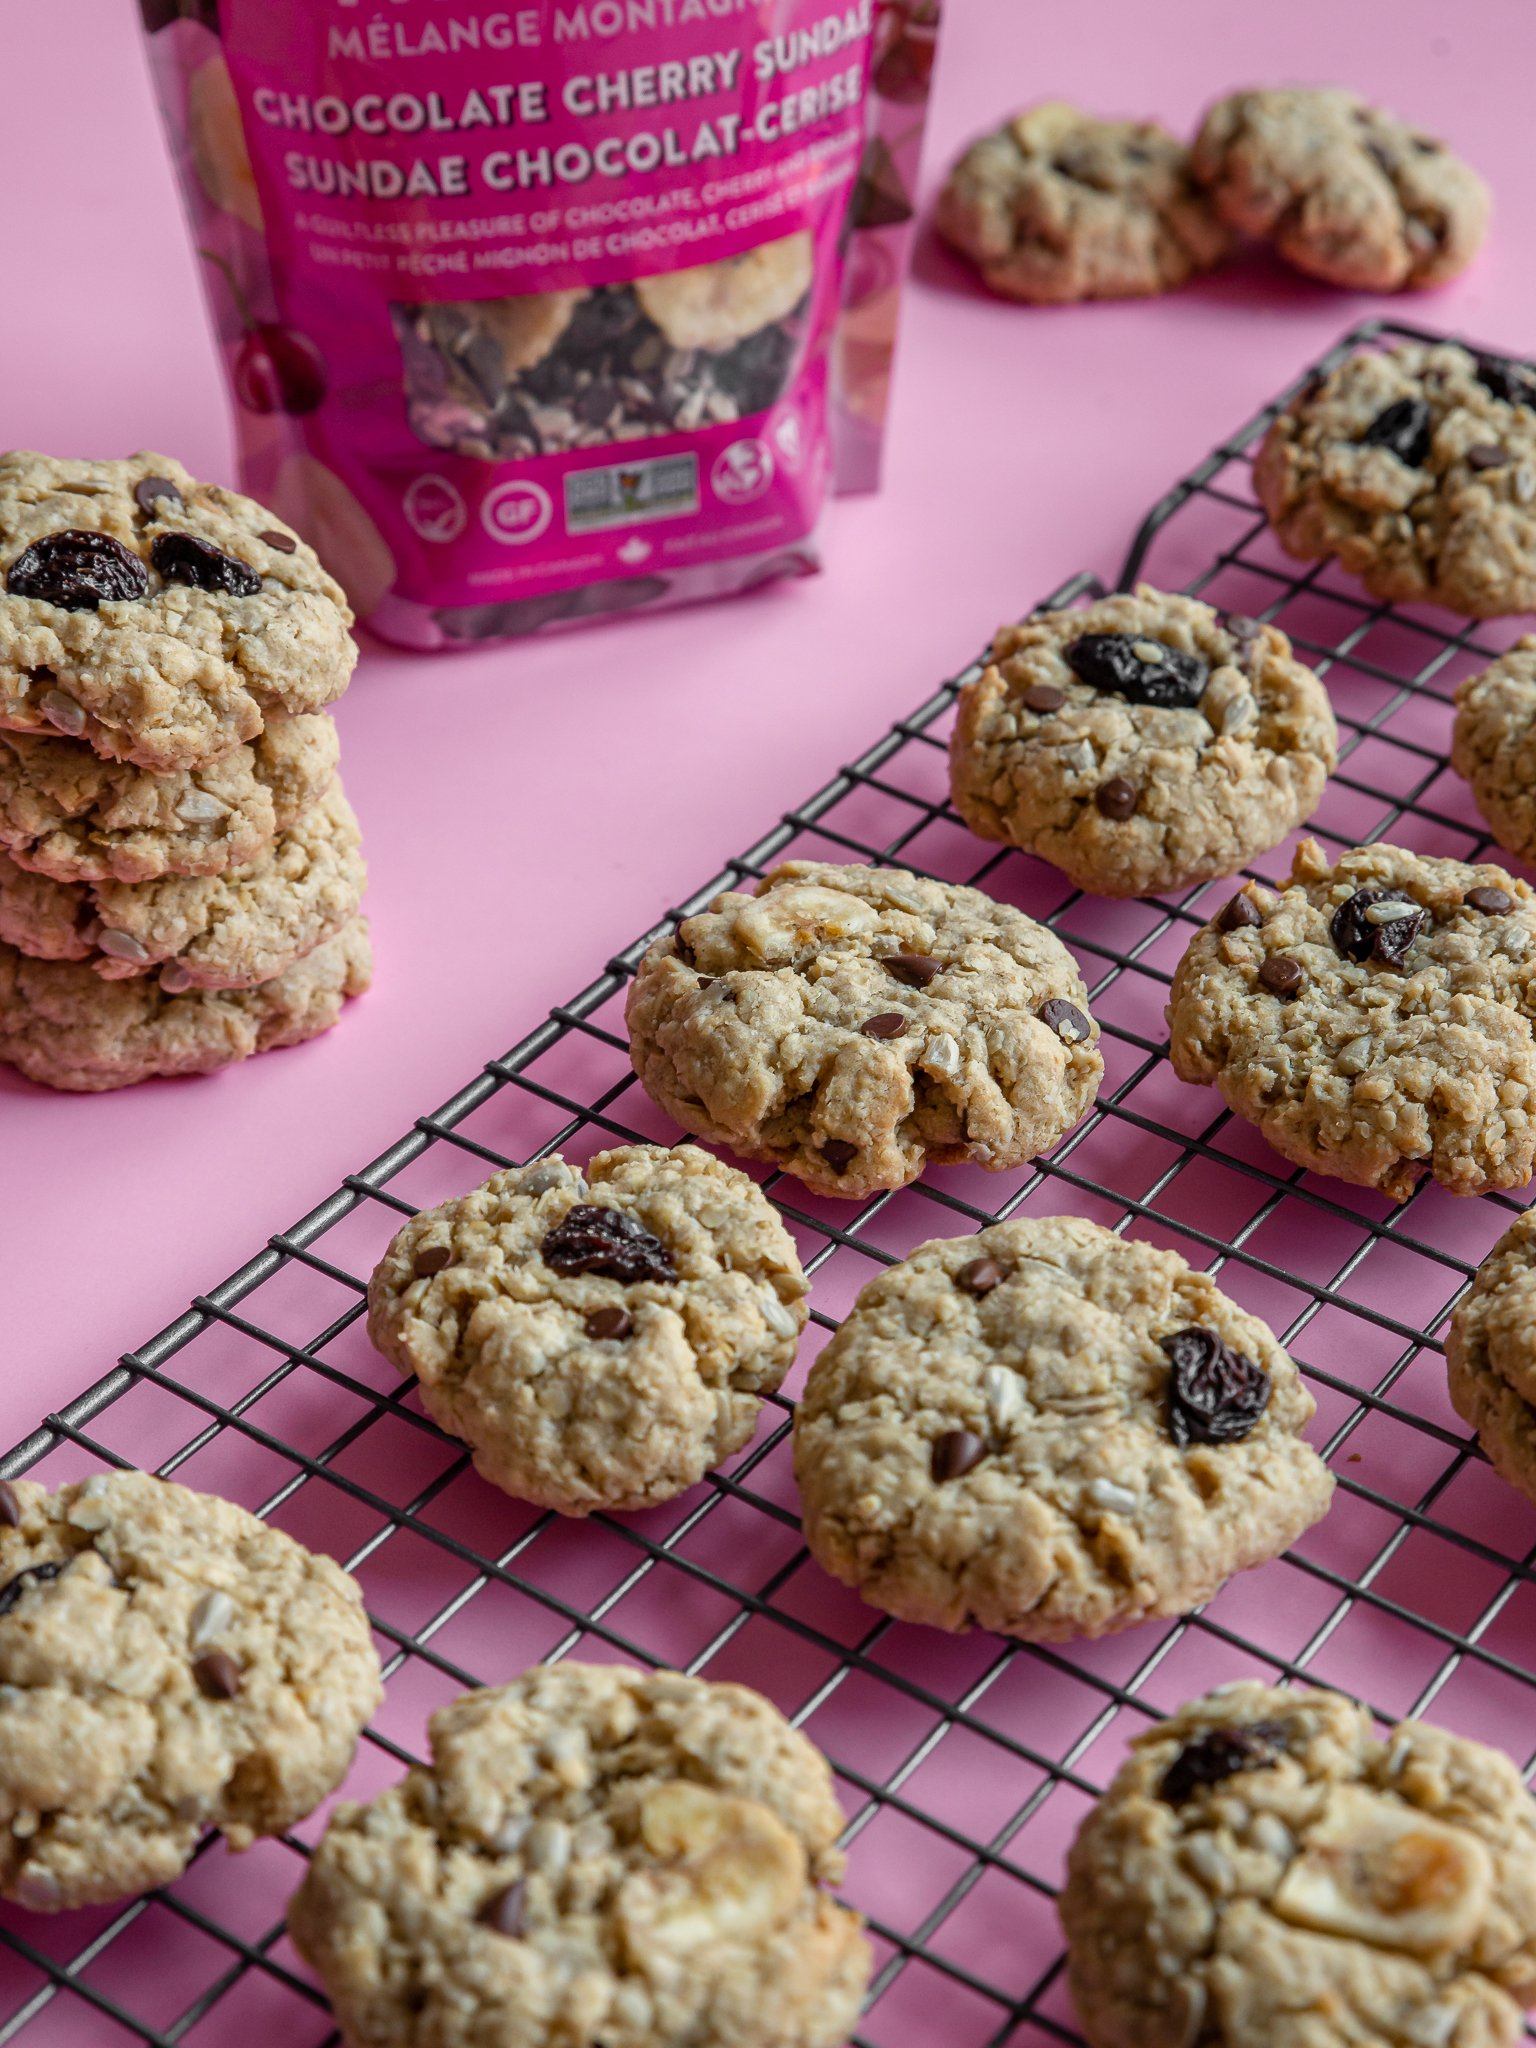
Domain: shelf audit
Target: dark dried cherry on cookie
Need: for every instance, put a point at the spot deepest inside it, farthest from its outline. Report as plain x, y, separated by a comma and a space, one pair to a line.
590, 1239
1508, 381
1156, 675
78, 571
1403, 428
183, 558
31, 1575
1215, 1394
1359, 937
1220, 1754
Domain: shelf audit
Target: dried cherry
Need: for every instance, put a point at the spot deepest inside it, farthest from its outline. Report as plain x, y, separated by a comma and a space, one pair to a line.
1221, 1753
1215, 1394
1507, 381
1359, 937
591, 1239
1109, 661
78, 571
183, 558
1403, 428
33, 1574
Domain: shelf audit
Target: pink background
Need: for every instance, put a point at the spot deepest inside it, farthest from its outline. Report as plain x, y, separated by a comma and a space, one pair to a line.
528, 810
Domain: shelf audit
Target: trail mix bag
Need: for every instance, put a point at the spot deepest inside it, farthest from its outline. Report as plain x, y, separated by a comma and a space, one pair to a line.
544, 312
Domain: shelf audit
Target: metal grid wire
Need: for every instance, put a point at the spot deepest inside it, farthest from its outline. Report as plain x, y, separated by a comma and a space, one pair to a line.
964, 1763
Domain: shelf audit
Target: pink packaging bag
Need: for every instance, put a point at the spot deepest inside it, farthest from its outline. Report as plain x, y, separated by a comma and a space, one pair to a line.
540, 313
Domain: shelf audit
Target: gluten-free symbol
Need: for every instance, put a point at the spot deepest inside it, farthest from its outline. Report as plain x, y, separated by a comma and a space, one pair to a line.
516, 513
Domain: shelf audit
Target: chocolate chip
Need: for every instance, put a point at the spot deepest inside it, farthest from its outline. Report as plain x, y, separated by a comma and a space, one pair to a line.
503, 1911
33, 1574
149, 490
1403, 428
955, 1453
183, 558
1116, 798
915, 969
1215, 1394
1280, 974
78, 572
10, 1506
1220, 1754
1043, 697
838, 1154
1157, 675
889, 1024
1360, 936
431, 1259
217, 1674
284, 543
1490, 901
1486, 455
592, 1239
608, 1325
980, 1276
1066, 1020
1238, 912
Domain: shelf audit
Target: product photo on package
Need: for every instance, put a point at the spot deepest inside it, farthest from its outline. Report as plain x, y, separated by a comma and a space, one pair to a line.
544, 314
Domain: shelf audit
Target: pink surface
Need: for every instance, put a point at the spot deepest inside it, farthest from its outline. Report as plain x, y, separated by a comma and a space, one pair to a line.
528, 811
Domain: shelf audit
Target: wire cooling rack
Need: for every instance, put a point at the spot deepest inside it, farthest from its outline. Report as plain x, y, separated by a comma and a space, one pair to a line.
965, 1763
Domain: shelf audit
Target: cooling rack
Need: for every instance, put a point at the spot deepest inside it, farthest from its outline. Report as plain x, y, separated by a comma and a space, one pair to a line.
964, 1763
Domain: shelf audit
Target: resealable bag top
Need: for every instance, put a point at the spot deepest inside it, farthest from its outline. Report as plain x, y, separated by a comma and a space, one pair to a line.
539, 313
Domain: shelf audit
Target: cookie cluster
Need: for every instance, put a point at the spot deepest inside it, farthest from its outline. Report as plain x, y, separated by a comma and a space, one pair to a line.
1058, 205
180, 873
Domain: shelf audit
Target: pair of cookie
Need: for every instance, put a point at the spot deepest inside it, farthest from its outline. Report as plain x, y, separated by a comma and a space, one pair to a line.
591, 1847
1059, 206
1044, 1429
180, 875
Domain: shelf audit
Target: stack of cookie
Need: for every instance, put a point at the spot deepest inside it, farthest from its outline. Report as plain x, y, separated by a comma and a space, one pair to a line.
180, 873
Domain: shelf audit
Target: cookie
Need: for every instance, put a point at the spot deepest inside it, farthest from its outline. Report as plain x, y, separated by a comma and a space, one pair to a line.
593, 1854
1373, 1019
1493, 745
1490, 1354
1057, 206
599, 1338
1266, 1873
68, 814
199, 931
161, 620
1416, 467
1346, 192
1141, 744
852, 1024
64, 1026
499, 379
168, 1663
1050, 1431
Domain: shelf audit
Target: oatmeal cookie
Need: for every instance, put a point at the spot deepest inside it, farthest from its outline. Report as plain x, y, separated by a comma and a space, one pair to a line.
1373, 1019
599, 1339
168, 1663
716, 305
1264, 1872
199, 931
1050, 1431
1493, 745
68, 814
592, 1854
1416, 467
159, 619
1490, 1353
1057, 206
1144, 743
1346, 192
65, 1027
851, 1024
